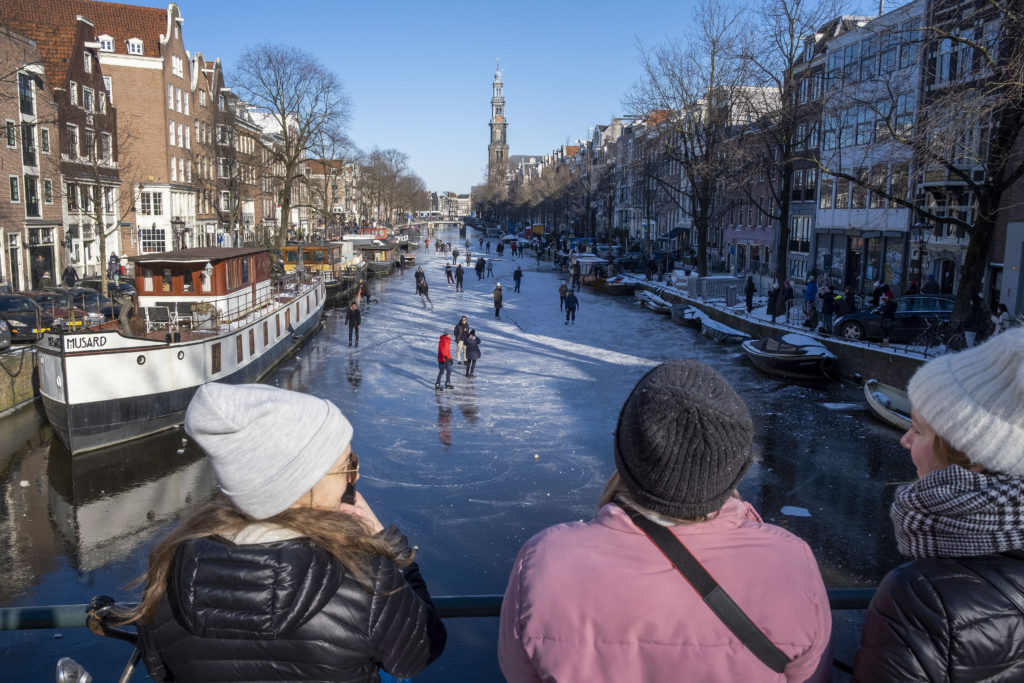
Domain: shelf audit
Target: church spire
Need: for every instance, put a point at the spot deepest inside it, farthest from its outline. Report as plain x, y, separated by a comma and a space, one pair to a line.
497, 150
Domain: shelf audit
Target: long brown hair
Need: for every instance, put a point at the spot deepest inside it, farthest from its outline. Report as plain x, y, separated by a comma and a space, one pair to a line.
345, 537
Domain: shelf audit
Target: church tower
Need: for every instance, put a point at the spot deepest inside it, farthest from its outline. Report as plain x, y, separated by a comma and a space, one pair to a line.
497, 150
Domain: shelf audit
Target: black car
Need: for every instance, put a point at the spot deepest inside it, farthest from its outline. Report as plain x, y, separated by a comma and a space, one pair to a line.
23, 315
913, 313
89, 300
120, 288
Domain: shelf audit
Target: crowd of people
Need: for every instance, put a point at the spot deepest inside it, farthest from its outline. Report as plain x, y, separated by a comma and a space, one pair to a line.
288, 574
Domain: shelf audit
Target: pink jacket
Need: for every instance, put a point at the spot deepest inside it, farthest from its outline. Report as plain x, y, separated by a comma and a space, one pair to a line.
597, 601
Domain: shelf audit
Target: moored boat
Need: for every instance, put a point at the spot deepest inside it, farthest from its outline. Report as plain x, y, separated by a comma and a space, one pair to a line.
794, 356
889, 404
203, 315
341, 264
721, 333
619, 286
685, 315
652, 301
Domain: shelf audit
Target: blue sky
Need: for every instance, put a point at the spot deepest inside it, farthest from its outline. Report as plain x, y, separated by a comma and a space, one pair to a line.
419, 73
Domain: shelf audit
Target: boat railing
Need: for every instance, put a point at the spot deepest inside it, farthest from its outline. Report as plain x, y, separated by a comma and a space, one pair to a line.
239, 307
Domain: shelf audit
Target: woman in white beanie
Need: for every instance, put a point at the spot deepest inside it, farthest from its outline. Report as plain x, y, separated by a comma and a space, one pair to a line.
956, 611
286, 574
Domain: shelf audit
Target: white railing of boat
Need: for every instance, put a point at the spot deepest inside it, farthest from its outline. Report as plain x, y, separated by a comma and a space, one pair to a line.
237, 308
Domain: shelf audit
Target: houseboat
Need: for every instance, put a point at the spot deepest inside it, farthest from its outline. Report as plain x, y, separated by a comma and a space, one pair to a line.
342, 266
203, 315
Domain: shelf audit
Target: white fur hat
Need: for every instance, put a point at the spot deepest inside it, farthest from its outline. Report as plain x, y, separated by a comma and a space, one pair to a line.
975, 400
267, 446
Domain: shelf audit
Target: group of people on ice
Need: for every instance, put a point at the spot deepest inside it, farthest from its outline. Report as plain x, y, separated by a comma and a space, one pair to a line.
288, 574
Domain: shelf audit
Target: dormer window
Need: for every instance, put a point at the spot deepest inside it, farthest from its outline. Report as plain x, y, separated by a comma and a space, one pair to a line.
106, 44
134, 46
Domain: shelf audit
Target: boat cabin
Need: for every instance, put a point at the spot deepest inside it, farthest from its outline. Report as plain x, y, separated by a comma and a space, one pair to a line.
378, 233
331, 257
232, 280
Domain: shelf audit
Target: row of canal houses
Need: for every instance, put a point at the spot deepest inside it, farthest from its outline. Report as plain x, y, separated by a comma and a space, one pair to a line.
857, 82
115, 133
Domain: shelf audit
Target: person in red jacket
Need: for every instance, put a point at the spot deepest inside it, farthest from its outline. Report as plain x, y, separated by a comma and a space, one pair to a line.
444, 362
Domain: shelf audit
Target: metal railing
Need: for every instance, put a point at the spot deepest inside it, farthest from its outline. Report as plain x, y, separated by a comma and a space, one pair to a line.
448, 607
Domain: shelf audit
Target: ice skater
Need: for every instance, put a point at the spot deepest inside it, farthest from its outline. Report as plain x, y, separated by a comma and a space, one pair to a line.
461, 332
363, 295
563, 290
490, 268
472, 353
497, 300
459, 274
517, 275
444, 362
353, 319
448, 274
571, 304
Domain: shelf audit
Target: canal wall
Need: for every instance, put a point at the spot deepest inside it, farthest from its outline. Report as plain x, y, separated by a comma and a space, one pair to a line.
18, 381
854, 361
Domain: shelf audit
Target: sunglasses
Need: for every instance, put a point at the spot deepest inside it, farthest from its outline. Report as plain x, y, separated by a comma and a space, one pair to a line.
349, 496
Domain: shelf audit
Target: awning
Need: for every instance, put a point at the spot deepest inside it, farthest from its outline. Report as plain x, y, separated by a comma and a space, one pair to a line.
676, 232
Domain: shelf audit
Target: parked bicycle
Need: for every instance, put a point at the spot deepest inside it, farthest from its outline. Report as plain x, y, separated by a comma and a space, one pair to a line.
101, 610
938, 337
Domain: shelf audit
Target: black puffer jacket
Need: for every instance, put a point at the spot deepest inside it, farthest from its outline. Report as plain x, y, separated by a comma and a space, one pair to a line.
287, 611
946, 620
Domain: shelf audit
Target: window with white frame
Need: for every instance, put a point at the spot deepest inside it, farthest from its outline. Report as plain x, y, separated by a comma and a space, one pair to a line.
221, 103
181, 138
106, 148
177, 100
225, 200
106, 43
134, 46
71, 194
151, 204
15, 189
181, 169
177, 65
12, 134
89, 144
170, 133
108, 85
174, 169
185, 99
72, 141
151, 241
73, 93
87, 99
108, 199
170, 96
48, 191
202, 98
44, 140
87, 62
188, 138
223, 167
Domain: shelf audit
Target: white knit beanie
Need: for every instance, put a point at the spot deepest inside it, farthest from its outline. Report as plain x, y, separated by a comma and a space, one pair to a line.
975, 400
268, 446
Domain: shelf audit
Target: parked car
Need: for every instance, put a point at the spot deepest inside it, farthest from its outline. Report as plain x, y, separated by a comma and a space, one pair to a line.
628, 262
65, 316
119, 288
5, 335
89, 300
912, 315
26, 319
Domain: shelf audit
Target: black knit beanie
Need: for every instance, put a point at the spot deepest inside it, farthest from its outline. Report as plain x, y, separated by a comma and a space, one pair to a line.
683, 441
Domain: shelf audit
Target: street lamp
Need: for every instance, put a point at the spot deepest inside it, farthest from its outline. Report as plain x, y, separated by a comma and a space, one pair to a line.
177, 228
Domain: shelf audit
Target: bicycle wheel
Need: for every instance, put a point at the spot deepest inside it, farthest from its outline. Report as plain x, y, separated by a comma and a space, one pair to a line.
956, 342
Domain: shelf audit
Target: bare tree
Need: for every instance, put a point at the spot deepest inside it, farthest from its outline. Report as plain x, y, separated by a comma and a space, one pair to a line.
301, 100
333, 151
692, 92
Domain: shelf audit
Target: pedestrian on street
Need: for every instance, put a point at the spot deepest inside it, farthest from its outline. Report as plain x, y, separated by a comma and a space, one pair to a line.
849, 300
490, 268
517, 275
459, 274
571, 304
472, 353
69, 276
953, 612
811, 292
250, 585
828, 308
773, 301
444, 362
931, 286
976, 322
497, 300
787, 296
888, 316
39, 267
881, 289
683, 441
353, 319
749, 290
563, 290
363, 295
114, 267
448, 274
1001, 318
461, 332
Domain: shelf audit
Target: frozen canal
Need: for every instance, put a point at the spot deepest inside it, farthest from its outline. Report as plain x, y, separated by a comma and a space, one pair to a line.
469, 473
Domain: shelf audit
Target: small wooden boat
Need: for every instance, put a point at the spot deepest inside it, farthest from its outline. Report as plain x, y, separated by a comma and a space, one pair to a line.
794, 356
889, 404
721, 333
685, 315
652, 302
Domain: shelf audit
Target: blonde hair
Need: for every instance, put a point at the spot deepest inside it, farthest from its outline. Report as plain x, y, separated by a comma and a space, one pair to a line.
946, 454
615, 488
346, 538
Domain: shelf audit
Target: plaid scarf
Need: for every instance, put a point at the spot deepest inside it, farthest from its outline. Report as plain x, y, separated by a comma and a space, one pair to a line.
954, 512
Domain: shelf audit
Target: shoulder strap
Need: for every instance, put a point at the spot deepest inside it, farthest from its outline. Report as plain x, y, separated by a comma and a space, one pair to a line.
713, 594
987, 572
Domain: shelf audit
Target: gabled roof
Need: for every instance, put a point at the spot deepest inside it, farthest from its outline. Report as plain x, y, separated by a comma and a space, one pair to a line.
51, 23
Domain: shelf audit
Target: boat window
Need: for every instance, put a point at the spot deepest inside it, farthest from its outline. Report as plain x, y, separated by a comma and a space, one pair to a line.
252, 342
318, 255
277, 324
291, 256
287, 320
187, 282
215, 358
166, 284
245, 271
266, 336
238, 349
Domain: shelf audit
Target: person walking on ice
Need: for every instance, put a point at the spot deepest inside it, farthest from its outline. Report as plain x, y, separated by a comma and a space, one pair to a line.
571, 304
472, 353
353, 318
459, 274
497, 300
490, 268
563, 290
444, 362
518, 277
461, 332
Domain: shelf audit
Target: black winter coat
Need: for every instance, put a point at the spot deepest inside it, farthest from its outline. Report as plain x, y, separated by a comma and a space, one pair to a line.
946, 620
287, 611
473, 348
353, 317
461, 331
